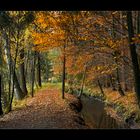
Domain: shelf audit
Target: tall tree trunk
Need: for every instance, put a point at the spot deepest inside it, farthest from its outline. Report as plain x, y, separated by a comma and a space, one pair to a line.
11, 67
83, 82
135, 64
26, 63
138, 32
22, 74
124, 70
20, 94
1, 112
38, 69
100, 86
119, 84
9, 60
116, 53
63, 75
33, 73
112, 82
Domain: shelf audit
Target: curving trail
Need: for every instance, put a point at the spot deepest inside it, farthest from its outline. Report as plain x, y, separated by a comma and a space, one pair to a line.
46, 110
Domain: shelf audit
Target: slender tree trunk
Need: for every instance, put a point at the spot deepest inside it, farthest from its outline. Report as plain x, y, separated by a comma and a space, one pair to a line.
63, 75
26, 63
9, 60
1, 112
13, 82
100, 86
124, 70
20, 94
10, 79
83, 82
33, 73
135, 64
119, 84
22, 74
38, 69
138, 32
120, 90
112, 83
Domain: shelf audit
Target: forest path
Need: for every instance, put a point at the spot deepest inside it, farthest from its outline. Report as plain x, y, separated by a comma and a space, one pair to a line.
45, 110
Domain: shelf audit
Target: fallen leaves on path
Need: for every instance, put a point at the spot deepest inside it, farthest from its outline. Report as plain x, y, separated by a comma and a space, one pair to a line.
45, 110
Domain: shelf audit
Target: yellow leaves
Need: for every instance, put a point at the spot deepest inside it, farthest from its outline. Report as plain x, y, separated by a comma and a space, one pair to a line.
136, 39
98, 67
53, 39
114, 12
133, 38
52, 36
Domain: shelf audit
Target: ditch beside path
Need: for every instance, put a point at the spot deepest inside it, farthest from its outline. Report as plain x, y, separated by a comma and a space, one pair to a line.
46, 110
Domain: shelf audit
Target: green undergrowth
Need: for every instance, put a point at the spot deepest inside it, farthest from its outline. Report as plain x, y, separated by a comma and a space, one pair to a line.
54, 86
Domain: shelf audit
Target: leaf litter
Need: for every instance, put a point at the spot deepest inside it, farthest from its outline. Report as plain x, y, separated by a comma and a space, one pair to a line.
46, 110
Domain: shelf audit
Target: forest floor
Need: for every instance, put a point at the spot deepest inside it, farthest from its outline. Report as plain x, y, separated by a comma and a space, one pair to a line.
46, 110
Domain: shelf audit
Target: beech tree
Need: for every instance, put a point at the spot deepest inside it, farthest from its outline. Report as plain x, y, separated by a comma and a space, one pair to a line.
134, 56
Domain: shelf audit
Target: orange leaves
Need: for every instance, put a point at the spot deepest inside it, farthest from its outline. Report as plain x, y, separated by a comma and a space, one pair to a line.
87, 37
51, 35
136, 39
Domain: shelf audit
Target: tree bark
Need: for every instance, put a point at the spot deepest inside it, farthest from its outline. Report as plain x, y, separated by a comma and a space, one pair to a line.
38, 70
22, 74
138, 32
83, 81
112, 82
33, 73
63, 75
100, 86
116, 55
119, 84
1, 112
11, 67
134, 58
20, 94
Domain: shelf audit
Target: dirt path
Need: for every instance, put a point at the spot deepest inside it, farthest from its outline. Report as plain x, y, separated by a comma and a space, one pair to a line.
45, 110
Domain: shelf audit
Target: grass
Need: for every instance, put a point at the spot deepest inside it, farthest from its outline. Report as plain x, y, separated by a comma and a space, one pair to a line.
54, 86
18, 104
124, 106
